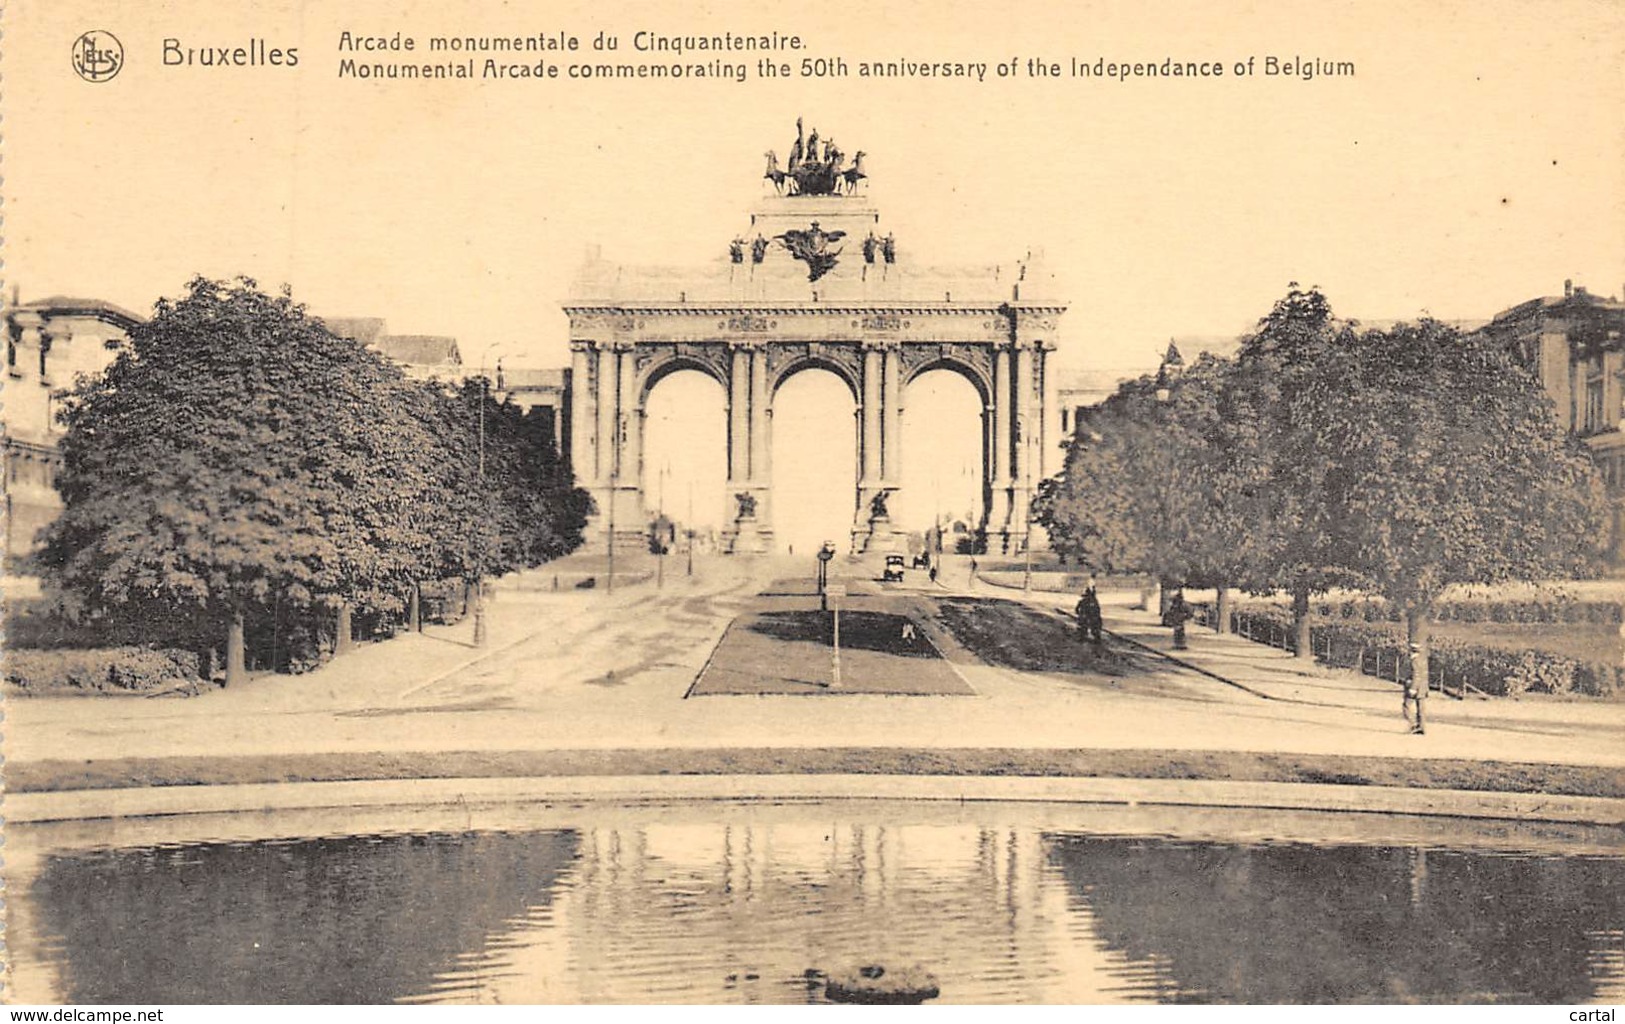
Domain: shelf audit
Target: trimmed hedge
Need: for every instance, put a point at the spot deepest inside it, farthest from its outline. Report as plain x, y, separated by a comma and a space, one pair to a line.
99, 670
1555, 610
1378, 647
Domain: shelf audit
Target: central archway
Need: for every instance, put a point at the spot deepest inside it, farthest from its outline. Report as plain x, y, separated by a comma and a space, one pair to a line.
815, 444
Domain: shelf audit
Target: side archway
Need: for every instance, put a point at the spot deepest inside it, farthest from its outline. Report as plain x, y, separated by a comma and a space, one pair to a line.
683, 409
978, 377
943, 474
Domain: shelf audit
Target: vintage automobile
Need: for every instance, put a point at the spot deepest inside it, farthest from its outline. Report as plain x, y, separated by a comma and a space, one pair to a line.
894, 569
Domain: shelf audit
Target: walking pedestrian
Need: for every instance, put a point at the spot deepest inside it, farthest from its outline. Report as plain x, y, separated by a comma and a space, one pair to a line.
1178, 614
1414, 695
1089, 622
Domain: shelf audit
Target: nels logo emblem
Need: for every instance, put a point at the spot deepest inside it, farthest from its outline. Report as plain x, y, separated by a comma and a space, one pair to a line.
97, 56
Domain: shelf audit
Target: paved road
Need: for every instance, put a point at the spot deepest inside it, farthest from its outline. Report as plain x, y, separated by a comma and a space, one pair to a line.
591, 669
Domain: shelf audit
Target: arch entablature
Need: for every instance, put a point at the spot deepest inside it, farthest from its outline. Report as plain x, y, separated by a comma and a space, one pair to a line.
656, 362
974, 362
786, 360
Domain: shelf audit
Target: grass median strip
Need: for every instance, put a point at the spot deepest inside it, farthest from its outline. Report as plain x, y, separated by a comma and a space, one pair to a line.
1239, 766
789, 653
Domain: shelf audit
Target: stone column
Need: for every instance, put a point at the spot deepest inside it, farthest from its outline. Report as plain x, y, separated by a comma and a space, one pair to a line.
604, 436
761, 459
870, 440
738, 424
580, 451
1022, 470
1054, 433
760, 472
984, 497
892, 417
999, 463
1613, 398
631, 449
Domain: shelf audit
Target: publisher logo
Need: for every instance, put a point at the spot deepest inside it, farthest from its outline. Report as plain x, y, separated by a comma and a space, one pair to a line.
97, 56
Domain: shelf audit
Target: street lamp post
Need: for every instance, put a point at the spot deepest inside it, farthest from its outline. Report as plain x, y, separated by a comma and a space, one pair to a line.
660, 527
614, 492
691, 527
479, 555
825, 553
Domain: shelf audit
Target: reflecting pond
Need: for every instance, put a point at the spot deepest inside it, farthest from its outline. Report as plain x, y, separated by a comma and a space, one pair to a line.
743, 902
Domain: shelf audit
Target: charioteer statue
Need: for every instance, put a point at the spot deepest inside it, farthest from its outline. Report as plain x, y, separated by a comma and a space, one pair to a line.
814, 172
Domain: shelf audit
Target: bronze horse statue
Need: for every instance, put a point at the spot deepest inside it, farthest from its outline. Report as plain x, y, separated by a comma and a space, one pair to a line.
776, 176
854, 174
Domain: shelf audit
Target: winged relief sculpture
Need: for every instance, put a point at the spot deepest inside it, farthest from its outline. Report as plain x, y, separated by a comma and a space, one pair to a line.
812, 247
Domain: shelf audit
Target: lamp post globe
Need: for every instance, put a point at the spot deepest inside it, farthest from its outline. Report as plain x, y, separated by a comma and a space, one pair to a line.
825, 553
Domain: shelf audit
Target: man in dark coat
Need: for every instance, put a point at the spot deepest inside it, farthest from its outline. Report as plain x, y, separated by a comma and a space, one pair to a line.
1177, 615
1089, 623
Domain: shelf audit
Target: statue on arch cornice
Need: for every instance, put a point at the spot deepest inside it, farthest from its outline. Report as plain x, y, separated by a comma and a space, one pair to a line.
812, 171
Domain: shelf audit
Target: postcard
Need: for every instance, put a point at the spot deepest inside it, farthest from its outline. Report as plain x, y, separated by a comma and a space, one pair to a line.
722, 503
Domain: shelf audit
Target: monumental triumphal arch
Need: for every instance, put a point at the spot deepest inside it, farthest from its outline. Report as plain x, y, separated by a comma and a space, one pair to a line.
815, 281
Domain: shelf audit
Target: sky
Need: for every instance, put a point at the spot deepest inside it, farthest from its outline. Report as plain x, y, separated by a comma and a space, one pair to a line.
1475, 159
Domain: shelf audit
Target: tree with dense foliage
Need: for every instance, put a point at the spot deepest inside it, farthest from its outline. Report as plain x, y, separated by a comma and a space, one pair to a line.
222, 463
1450, 467
540, 514
1397, 462
1144, 485
238, 463
1276, 412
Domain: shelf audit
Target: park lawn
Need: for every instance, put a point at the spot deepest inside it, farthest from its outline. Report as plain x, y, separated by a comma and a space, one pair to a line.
788, 652
1234, 766
1014, 635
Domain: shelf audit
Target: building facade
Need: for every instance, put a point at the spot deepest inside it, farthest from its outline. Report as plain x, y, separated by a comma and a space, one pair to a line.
48, 344
1575, 344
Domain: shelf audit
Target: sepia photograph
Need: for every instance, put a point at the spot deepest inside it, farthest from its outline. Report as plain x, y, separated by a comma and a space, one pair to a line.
562, 502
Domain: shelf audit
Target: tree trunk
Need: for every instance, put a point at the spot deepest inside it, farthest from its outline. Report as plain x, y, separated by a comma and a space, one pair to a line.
345, 641
1221, 609
236, 668
414, 615
1418, 633
1164, 595
1300, 623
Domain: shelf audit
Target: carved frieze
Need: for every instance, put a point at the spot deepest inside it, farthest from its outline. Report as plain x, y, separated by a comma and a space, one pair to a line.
748, 324
882, 322
971, 358
654, 359
786, 357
